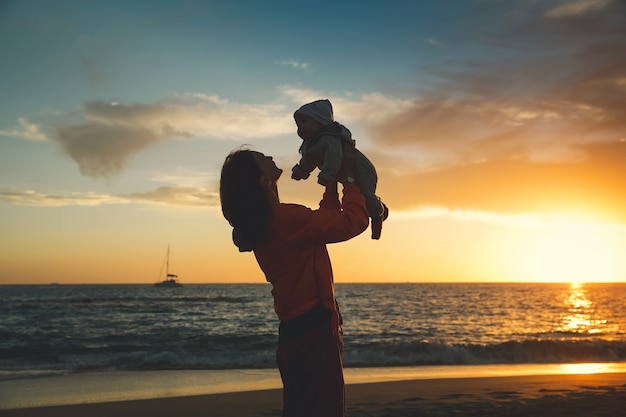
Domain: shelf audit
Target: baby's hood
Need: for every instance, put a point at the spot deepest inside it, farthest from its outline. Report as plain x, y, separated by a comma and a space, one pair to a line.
320, 110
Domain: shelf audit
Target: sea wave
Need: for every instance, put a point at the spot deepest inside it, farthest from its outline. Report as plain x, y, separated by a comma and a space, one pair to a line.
61, 329
511, 352
121, 301
258, 353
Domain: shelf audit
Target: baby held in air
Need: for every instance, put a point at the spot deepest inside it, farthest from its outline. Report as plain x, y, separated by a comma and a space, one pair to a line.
324, 144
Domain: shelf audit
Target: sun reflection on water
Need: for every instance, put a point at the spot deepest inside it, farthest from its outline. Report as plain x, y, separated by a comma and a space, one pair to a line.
581, 313
585, 368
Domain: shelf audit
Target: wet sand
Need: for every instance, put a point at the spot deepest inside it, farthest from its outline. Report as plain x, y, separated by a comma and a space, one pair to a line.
602, 394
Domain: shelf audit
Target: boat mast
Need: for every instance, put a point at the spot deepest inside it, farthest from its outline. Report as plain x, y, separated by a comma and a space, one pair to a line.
167, 265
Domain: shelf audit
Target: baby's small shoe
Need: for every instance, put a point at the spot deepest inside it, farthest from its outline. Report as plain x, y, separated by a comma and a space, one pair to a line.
377, 222
385, 211
377, 227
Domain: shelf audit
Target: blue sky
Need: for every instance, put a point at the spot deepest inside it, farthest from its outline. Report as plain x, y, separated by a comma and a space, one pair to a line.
116, 116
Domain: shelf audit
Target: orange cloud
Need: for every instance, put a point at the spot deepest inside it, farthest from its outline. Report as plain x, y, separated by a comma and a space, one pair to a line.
543, 83
593, 186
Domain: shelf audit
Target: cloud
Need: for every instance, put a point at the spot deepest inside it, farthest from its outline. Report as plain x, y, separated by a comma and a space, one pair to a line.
548, 81
524, 220
113, 132
166, 195
193, 115
591, 188
26, 130
102, 150
460, 131
432, 42
545, 84
179, 196
185, 178
489, 191
37, 199
294, 63
367, 109
577, 8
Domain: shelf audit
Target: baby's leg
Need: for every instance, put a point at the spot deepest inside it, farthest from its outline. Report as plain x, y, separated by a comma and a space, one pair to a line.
374, 204
366, 179
378, 211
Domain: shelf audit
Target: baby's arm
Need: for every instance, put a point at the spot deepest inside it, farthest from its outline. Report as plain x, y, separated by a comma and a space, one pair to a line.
302, 169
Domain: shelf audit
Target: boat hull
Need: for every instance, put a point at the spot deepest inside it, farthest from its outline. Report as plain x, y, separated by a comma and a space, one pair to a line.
168, 283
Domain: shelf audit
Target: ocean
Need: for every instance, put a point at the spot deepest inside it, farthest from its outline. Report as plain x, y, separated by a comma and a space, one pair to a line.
48, 330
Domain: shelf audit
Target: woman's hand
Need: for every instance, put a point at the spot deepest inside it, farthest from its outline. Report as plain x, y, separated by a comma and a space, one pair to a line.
331, 187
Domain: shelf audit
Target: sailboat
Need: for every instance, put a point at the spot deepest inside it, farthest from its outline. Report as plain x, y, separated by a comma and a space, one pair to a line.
171, 280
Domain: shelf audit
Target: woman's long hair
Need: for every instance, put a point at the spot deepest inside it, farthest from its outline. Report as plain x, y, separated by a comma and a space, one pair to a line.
244, 202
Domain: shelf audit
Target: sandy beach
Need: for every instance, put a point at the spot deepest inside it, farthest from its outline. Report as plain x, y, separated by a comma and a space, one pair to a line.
602, 394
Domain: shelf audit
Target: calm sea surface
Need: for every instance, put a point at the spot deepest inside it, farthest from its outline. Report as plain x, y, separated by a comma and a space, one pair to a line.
60, 329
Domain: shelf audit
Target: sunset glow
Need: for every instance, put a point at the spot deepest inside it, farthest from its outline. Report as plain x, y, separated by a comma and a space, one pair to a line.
501, 152
571, 255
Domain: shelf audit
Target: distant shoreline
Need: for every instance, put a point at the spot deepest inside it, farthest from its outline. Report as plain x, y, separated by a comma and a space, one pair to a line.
336, 283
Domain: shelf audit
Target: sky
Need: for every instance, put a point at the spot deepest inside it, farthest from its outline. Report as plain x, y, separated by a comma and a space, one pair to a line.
497, 128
